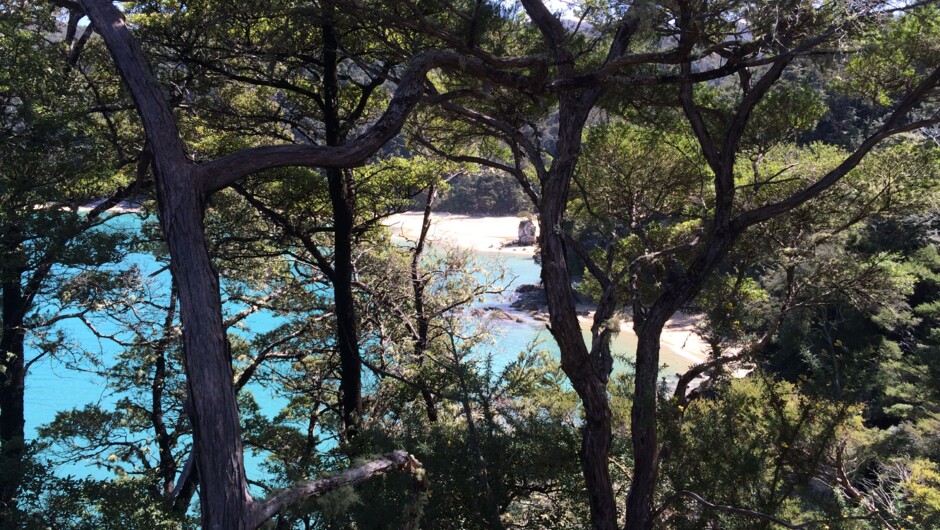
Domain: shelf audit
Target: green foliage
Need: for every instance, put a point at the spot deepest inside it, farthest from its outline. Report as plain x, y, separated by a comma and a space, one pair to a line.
896, 55
634, 198
855, 295
522, 415
485, 193
111, 504
781, 435
923, 487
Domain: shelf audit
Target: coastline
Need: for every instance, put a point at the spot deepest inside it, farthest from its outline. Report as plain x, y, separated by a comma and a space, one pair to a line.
477, 233
120, 207
678, 335
492, 234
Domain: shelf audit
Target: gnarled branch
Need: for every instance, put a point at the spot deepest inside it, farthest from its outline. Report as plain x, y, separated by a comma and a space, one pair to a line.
394, 461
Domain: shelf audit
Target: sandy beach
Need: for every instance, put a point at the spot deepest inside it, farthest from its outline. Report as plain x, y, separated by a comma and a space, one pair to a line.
678, 336
492, 234
480, 234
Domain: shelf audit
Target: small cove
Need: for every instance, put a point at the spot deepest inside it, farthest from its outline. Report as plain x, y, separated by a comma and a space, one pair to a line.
53, 386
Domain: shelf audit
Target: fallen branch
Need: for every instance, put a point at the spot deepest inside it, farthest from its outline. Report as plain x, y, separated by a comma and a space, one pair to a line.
394, 461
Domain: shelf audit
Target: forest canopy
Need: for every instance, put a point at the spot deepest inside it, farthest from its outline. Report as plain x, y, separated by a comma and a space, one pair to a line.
195, 199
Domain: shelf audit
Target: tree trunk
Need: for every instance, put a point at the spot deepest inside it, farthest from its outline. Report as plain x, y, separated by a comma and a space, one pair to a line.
649, 330
167, 464
575, 359
418, 283
643, 428
226, 503
12, 388
347, 337
343, 201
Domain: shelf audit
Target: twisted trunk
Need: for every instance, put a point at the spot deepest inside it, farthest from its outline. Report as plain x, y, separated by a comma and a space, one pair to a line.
226, 503
588, 382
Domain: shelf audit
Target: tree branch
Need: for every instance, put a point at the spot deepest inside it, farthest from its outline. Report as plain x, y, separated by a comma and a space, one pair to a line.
890, 128
748, 513
158, 119
395, 461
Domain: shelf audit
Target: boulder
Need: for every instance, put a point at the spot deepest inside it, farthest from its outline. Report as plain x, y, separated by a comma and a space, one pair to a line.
526, 232
530, 297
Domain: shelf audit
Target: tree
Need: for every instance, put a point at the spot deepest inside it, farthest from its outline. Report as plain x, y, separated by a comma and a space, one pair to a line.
646, 55
58, 154
782, 437
310, 87
183, 187
674, 46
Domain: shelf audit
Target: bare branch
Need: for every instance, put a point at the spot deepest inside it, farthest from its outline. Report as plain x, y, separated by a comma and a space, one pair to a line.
395, 461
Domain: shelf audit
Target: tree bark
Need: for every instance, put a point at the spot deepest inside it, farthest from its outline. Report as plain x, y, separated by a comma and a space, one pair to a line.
343, 201
643, 428
12, 390
217, 436
590, 385
347, 337
649, 326
167, 464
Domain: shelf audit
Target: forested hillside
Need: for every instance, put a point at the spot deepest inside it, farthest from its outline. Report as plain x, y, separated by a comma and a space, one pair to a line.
193, 195
483, 193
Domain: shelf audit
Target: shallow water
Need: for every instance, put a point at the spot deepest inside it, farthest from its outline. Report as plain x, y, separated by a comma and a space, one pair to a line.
515, 336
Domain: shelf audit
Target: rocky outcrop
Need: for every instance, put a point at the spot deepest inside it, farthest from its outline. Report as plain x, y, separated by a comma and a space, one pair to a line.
530, 297
526, 233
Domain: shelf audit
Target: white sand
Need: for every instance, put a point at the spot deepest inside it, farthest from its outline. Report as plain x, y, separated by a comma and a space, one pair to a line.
678, 336
481, 234
490, 234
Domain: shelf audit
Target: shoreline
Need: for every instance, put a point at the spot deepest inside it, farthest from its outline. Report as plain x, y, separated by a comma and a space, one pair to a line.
120, 207
678, 335
491, 234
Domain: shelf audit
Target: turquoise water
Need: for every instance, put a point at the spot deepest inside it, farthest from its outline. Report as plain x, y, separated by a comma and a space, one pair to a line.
52, 386
73, 381
516, 336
